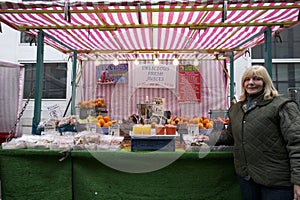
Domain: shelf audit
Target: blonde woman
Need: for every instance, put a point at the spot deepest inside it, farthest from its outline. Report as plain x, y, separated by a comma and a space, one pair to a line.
264, 129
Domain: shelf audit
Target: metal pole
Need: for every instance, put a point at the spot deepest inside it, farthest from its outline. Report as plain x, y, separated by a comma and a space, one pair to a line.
73, 71
74, 82
268, 50
38, 83
231, 76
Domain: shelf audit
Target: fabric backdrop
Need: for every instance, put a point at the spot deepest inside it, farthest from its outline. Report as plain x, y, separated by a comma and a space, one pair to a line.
11, 95
122, 99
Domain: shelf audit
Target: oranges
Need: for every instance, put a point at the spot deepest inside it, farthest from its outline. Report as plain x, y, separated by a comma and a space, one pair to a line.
92, 103
203, 122
104, 121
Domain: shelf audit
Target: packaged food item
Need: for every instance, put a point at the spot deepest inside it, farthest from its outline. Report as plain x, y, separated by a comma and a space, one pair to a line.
170, 129
146, 129
137, 129
160, 129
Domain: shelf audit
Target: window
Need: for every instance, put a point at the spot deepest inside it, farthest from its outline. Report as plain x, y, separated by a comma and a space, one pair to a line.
288, 48
27, 38
286, 70
54, 80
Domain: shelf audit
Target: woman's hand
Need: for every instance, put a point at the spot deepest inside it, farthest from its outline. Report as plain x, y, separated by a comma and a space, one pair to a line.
296, 192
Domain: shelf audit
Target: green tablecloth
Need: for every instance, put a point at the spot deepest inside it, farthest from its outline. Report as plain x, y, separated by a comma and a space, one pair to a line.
38, 174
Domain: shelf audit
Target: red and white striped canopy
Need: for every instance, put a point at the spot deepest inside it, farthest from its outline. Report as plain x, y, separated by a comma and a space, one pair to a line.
143, 28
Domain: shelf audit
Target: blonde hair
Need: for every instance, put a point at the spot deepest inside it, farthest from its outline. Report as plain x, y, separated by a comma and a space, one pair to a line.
259, 71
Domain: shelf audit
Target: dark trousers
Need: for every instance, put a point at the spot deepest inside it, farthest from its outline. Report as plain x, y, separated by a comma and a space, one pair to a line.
254, 191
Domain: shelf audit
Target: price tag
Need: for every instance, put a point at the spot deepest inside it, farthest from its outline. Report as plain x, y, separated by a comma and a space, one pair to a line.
54, 112
182, 129
193, 129
114, 130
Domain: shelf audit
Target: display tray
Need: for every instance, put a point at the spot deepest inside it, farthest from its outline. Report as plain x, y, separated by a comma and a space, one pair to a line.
142, 136
153, 142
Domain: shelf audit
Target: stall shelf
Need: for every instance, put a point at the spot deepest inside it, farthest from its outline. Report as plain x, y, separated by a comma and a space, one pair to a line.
38, 174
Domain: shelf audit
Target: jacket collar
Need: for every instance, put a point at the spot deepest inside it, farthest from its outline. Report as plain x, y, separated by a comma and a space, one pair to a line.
255, 101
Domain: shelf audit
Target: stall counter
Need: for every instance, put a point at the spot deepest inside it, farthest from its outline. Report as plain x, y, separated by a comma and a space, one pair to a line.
48, 174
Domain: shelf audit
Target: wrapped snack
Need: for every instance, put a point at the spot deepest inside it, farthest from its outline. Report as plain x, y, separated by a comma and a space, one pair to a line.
62, 142
14, 144
111, 143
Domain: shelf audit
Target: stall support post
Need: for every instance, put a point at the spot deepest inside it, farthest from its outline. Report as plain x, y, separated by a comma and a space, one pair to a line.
38, 83
231, 76
268, 50
74, 82
73, 72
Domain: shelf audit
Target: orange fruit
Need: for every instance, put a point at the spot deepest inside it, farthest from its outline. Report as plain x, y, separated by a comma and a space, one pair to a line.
208, 125
106, 118
98, 124
109, 123
200, 125
205, 121
101, 122
105, 125
195, 120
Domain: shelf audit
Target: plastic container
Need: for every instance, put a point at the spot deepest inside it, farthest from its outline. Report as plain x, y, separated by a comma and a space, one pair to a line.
218, 116
137, 129
171, 129
146, 129
215, 114
160, 130
205, 131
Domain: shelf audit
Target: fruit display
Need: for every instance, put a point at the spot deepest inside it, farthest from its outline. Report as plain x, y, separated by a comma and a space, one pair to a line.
104, 121
203, 122
88, 119
92, 107
99, 102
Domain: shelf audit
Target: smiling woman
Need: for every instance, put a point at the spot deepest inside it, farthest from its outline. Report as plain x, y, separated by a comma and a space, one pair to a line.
256, 79
265, 130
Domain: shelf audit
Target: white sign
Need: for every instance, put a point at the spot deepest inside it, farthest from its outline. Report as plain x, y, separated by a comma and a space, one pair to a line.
54, 112
193, 129
158, 108
114, 130
152, 76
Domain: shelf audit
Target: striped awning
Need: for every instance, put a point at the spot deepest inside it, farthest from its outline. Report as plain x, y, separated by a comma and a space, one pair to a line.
143, 29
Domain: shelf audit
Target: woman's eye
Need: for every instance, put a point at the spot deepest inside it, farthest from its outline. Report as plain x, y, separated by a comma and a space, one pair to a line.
257, 78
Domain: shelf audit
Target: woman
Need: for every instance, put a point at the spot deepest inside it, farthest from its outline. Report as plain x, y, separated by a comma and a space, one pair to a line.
264, 129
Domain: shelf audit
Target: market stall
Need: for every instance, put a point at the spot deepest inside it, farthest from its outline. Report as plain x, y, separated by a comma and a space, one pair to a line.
146, 66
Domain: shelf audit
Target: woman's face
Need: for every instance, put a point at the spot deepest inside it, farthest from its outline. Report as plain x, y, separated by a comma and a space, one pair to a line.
253, 85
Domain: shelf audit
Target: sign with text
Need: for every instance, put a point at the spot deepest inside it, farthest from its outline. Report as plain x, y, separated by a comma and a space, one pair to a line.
152, 76
110, 74
158, 108
54, 112
189, 84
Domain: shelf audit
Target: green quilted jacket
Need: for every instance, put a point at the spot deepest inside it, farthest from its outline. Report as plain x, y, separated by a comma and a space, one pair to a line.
266, 140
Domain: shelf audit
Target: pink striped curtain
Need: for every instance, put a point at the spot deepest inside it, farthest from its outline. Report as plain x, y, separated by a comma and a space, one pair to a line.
11, 95
122, 99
